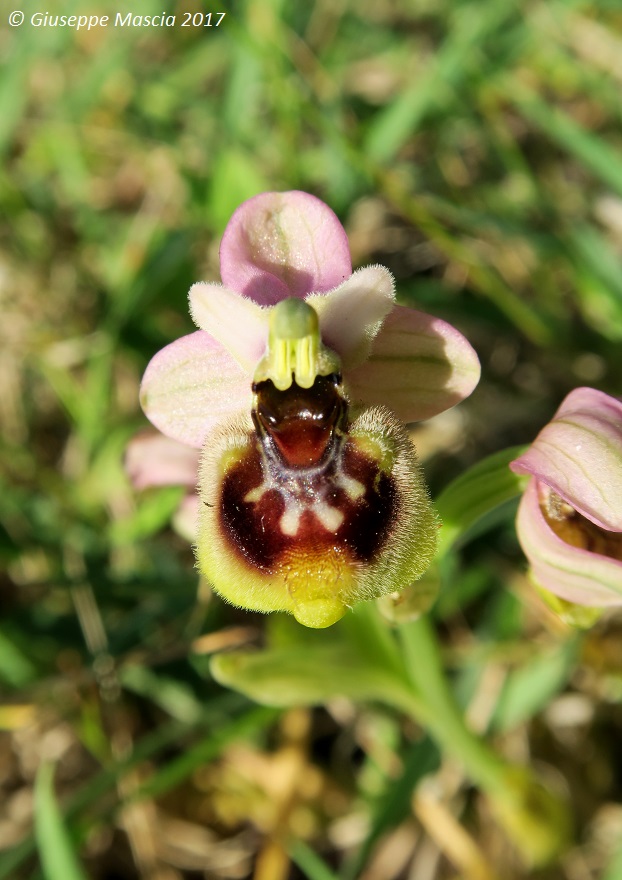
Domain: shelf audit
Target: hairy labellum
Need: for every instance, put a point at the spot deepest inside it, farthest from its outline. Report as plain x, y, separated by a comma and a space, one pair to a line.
307, 508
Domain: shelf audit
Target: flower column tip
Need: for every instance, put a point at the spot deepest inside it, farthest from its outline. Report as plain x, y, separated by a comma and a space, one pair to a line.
295, 351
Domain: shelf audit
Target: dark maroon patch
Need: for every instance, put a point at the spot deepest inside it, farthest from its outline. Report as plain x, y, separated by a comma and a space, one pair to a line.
254, 527
367, 527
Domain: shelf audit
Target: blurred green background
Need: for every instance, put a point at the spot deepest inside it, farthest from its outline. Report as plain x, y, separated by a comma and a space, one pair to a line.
475, 148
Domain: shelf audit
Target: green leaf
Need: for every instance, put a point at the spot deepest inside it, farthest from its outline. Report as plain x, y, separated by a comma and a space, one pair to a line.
599, 283
614, 868
154, 510
15, 667
529, 688
300, 675
471, 501
355, 658
58, 859
312, 866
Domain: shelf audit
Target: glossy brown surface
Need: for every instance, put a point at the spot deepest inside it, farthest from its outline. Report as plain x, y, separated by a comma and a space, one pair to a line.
300, 421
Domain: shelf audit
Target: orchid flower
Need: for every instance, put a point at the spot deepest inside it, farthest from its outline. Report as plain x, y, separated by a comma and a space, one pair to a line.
570, 517
295, 388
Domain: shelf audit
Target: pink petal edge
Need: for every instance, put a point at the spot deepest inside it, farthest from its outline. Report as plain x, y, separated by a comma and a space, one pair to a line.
191, 386
579, 455
419, 367
186, 518
284, 244
571, 573
151, 459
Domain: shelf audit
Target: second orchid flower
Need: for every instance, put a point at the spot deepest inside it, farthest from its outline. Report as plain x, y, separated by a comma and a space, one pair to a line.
570, 517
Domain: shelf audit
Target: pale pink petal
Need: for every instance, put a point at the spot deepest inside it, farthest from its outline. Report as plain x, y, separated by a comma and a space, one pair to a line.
284, 244
186, 518
239, 324
419, 367
352, 314
192, 385
579, 455
569, 572
151, 459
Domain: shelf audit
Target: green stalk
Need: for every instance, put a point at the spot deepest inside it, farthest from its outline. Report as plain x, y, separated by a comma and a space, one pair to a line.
360, 658
443, 718
534, 819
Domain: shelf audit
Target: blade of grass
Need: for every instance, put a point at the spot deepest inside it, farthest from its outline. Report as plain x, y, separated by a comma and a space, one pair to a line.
397, 122
485, 279
592, 248
394, 804
311, 865
531, 687
58, 859
180, 768
95, 789
591, 150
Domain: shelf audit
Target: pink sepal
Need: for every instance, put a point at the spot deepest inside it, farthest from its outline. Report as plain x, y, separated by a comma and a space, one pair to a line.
419, 367
191, 386
283, 244
579, 455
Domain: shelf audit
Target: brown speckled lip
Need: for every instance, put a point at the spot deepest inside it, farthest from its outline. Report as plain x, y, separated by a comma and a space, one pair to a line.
302, 487
254, 529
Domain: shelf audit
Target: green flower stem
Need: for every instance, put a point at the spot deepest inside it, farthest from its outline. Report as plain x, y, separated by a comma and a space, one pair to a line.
534, 819
360, 658
441, 714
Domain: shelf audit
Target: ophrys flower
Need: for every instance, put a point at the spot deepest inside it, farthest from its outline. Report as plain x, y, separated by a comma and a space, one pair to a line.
295, 387
570, 518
